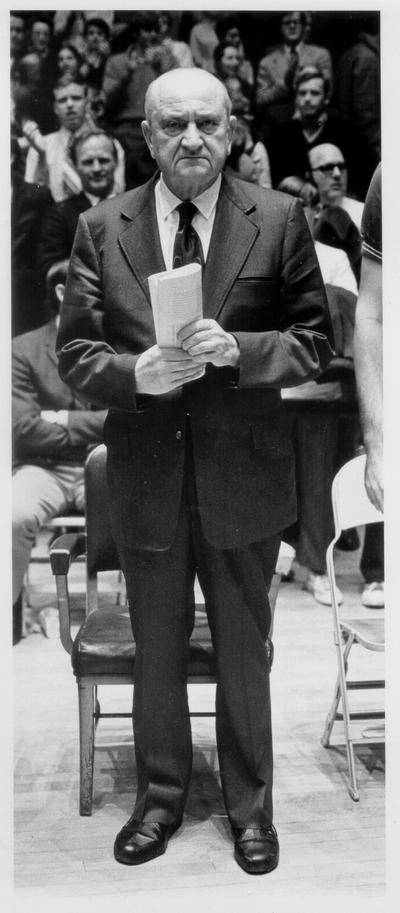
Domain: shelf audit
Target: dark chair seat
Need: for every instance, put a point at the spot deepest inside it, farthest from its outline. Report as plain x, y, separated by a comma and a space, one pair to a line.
104, 646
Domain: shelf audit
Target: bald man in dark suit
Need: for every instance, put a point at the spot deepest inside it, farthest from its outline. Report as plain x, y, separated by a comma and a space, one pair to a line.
200, 465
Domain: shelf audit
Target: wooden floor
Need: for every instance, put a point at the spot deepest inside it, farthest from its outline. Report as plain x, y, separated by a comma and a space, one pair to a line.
330, 845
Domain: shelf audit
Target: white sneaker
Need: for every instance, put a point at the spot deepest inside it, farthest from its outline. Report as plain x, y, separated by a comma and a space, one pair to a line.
373, 595
318, 585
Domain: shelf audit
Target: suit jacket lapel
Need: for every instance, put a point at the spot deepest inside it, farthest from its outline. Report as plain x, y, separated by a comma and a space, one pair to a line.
233, 236
140, 240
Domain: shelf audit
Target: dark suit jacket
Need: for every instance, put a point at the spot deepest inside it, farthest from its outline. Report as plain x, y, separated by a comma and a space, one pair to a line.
58, 231
261, 282
28, 204
37, 386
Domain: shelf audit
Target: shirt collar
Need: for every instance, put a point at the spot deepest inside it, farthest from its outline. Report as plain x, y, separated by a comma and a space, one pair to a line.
296, 47
323, 117
94, 200
205, 202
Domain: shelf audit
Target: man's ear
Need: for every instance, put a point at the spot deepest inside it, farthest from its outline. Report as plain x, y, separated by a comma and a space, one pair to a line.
231, 130
146, 130
59, 290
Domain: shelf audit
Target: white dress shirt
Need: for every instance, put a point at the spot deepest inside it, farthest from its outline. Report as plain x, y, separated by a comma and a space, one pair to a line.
168, 217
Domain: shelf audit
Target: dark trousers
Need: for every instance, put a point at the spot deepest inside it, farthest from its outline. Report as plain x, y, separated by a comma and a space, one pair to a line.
235, 584
314, 437
372, 558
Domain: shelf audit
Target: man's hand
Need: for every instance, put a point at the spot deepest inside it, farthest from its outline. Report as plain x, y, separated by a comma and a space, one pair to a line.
374, 479
205, 341
32, 133
59, 417
161, 370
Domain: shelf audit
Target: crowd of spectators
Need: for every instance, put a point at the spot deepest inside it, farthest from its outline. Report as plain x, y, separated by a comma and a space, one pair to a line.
308, 123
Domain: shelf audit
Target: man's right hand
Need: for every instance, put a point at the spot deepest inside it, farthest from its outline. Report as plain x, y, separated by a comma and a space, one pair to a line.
159, 371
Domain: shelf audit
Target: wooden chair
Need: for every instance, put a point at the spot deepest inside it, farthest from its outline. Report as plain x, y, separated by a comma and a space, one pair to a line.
103, 650
352, 507
63, 523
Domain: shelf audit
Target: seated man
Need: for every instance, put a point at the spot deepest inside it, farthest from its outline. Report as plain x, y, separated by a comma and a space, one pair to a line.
338, 222
329, 173
95, 158
48, 161
52, 431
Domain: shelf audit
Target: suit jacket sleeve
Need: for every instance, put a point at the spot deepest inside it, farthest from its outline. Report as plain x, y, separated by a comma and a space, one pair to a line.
33, 436
302, 345
86, 362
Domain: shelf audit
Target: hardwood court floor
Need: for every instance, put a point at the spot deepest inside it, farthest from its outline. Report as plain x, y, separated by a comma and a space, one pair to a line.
330, 845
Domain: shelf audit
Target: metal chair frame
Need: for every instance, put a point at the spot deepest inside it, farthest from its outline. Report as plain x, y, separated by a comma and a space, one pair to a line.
351, 507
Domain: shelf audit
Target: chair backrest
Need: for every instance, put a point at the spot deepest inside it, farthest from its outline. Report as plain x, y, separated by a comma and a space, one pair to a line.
101, 550
351, 504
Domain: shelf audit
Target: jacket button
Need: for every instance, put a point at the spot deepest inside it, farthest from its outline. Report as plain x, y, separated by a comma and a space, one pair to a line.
179, 435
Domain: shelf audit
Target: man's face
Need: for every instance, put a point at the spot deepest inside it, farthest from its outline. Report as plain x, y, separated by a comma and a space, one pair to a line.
69, 106
95, 37
163, 26
230, 61
40, 37
291, 28
67, 62
95, 164
146, 38
311, 99
329, 173
233, 36
189, 135
17, 34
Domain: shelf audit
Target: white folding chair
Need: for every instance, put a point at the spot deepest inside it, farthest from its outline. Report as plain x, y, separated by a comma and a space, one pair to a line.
352, 507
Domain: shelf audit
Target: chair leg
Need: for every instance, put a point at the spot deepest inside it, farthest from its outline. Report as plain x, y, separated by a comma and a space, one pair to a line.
326, 735
352, 786
86, 743
325, 740
343, 663
97, 708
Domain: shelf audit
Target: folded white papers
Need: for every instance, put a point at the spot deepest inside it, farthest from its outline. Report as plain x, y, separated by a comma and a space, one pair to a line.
176, 298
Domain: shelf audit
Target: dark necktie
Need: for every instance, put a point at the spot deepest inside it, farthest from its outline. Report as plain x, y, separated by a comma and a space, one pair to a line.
187, 244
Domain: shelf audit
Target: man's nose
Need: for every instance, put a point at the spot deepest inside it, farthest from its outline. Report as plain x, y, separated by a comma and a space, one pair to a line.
191, 137
336, 171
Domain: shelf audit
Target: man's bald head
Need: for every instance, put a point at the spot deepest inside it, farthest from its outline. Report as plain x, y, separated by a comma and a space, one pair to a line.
188, 129
183, 81
328, 171
324, 154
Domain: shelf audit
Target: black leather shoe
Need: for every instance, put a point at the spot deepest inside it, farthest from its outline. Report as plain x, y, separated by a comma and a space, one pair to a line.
257, 849
140, 841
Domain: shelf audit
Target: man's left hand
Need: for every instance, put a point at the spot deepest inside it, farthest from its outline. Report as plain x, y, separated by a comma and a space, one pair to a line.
205, 341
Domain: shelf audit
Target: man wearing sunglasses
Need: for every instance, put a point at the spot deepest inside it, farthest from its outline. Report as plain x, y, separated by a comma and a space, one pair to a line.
328, 171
